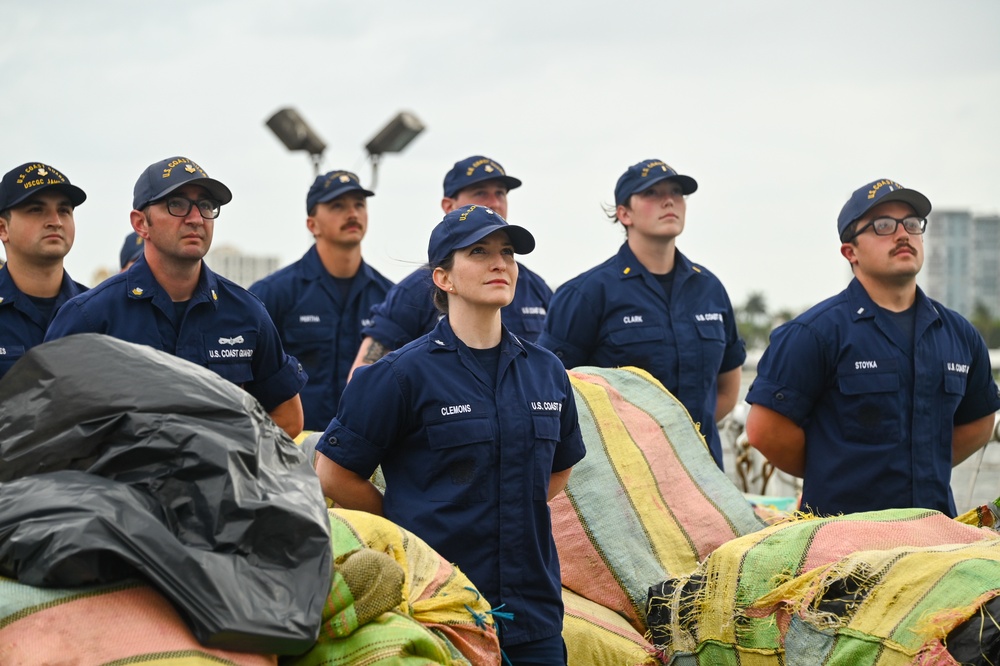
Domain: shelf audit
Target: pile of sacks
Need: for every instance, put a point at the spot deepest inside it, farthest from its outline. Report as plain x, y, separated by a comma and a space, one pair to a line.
676, 568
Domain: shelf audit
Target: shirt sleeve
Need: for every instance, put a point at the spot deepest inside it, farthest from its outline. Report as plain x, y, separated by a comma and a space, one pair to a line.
406, 313
791, 373
571, 448
982, 396
368, 420
278, 377
736, 348
571, 327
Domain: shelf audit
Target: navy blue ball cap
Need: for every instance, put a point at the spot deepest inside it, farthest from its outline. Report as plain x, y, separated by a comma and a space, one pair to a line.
474, 170
131, 249
469, 224
645, 174
333, 184
878, 192
33, 177
163, 177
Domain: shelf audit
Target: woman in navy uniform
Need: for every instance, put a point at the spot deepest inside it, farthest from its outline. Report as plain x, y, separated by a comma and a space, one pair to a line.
473, 485
649, 306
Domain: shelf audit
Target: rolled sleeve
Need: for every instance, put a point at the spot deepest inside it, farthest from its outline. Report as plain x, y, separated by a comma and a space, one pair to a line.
791, 373
983, 396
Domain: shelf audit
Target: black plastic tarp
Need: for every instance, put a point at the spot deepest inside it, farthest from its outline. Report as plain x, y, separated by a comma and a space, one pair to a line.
119, 461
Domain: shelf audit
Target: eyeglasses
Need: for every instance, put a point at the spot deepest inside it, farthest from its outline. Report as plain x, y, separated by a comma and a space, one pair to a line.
181, 207
886, 226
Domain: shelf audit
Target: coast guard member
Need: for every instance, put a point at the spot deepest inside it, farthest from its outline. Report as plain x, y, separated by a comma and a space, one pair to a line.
170, 300
37, 229
475, 430
873, 395
319, 302
131, 251
407, 312
651, 307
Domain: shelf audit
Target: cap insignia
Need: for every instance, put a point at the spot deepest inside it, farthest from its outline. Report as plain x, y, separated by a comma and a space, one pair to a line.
488, 169
190, 169
345, 179
43, 172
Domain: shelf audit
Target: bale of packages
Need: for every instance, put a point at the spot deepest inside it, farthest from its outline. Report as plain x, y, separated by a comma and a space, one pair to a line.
120, 623
725, 611
596, 636
395, 600
889, 607
647, 502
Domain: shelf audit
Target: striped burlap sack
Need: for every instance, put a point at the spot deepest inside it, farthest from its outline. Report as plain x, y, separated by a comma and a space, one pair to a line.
127, 623
595, 636
705, 618
893, 608
434, 616
647, 502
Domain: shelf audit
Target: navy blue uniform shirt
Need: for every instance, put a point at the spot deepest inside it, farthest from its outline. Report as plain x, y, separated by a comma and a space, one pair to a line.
616, 314
471, 484
408, 310
22, 325
878, 417
225, 328
319, 327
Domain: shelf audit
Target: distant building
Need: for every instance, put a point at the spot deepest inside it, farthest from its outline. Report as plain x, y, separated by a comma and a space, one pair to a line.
962, 261
242, 269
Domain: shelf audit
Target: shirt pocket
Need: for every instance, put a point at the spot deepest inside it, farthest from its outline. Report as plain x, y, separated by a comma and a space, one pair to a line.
9, 355
712, 346
461, 459
310, 343
870, 410
633, 345
231, 357
547, 432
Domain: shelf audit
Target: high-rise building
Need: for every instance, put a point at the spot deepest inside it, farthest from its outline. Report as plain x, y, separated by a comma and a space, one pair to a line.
962, 261
242, 269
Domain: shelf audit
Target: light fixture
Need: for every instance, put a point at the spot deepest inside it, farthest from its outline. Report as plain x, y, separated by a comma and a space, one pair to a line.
296, 134
393, 138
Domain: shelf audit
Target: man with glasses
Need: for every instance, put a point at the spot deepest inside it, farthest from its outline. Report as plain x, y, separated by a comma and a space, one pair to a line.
169, 299
37, 229
319, 303
873, 395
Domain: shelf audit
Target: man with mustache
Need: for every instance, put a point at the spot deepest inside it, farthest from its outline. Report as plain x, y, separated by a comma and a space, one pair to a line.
873, 395
171, 301
319, 303
37, 229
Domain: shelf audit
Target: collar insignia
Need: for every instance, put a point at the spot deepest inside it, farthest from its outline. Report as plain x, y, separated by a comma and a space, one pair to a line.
137, 291
215, 296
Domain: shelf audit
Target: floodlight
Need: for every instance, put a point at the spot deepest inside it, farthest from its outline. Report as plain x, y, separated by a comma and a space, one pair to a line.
392, 138
296, 134
395, 136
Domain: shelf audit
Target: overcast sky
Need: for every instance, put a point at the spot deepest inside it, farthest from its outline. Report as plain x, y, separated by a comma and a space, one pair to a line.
779, 108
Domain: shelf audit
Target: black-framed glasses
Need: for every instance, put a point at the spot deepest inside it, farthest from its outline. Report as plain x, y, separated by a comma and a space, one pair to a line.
886, 226
181, 207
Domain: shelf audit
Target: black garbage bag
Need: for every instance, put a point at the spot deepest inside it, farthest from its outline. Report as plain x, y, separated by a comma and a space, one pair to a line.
118, 461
